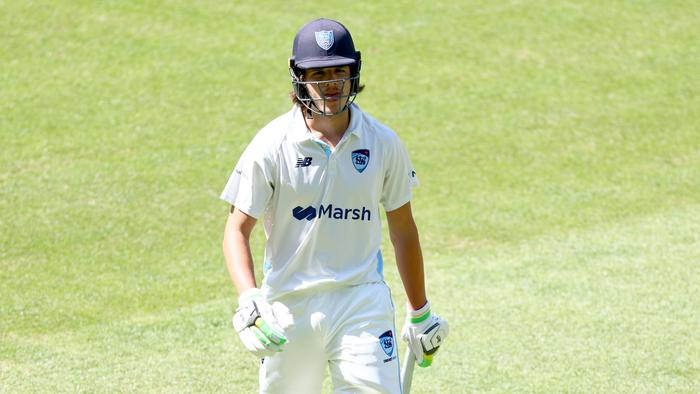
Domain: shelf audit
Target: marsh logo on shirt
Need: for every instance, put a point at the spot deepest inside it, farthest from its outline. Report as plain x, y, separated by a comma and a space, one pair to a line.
331, 212
308, 213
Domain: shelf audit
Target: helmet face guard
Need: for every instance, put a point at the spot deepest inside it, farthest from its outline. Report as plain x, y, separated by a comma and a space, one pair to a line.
317, 105
324, 43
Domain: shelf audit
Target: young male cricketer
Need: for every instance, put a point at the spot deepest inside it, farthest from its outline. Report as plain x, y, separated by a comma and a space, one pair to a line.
317, 175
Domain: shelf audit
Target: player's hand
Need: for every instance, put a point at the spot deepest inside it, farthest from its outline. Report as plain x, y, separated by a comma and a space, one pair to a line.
424, 331
261, 325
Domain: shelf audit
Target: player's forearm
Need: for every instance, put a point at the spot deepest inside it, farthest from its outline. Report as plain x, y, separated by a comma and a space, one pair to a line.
236, 246
409, 258
239, 262
409, 261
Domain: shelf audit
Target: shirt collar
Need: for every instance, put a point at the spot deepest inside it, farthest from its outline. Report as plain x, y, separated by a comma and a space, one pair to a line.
300, 133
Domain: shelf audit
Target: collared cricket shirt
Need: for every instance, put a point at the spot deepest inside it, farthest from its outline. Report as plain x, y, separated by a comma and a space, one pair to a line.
320, 206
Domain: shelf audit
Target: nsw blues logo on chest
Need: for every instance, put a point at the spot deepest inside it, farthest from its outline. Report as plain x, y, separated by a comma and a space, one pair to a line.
360, 159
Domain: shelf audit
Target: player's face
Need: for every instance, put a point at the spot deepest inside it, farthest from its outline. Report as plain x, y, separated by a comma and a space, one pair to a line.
331, 89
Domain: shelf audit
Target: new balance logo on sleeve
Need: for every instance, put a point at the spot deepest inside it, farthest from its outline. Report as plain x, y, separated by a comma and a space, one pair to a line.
303, 162
331, 212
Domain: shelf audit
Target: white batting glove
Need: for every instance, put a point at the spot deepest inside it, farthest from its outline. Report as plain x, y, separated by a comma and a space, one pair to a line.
261, 325
424, 331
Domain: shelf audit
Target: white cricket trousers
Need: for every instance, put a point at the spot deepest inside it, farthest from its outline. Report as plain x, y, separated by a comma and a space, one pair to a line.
351, 330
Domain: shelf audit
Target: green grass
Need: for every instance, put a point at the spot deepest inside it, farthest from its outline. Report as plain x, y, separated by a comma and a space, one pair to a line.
557, 143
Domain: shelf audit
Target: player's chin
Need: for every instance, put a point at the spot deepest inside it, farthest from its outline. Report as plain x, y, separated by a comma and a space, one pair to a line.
332, 107
337, 103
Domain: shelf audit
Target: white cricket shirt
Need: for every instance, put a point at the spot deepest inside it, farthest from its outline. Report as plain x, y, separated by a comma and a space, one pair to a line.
321, 205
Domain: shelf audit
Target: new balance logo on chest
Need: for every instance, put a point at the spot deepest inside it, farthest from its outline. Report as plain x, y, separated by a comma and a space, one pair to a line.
303, 162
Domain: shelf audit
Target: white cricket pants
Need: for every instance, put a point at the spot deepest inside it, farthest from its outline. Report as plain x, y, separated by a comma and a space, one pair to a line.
349, 329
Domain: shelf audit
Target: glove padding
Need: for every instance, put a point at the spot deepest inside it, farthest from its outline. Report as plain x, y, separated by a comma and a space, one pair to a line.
261, 325
424, 331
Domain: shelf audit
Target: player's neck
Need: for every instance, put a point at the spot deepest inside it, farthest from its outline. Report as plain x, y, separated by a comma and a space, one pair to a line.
329, 129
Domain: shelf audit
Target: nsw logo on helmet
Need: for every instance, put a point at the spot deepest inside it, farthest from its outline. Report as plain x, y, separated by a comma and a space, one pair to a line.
324, 39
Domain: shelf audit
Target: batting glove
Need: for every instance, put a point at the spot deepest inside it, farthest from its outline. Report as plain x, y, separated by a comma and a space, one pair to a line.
261, 325
424, 331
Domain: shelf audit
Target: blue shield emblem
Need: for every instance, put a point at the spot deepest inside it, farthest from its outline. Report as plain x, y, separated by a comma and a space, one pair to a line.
386, 340
360, 159
324, 39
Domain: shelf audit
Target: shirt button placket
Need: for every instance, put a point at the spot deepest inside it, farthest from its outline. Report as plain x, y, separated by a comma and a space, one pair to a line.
329, 170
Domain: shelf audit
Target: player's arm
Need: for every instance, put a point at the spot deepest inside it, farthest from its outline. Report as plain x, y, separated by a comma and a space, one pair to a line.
236, 244
259, 324
424, 331
409, 258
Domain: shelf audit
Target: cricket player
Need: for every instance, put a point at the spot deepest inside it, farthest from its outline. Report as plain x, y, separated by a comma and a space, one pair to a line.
317, 176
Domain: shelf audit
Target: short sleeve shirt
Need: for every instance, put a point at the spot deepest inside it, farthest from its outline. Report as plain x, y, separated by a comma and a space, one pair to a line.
320, 206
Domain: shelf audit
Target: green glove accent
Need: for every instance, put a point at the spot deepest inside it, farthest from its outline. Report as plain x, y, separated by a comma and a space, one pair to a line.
264, 339
418, 319
427, 360
273, 335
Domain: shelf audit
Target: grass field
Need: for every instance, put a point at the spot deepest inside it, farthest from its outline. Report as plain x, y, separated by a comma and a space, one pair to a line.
557, 143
